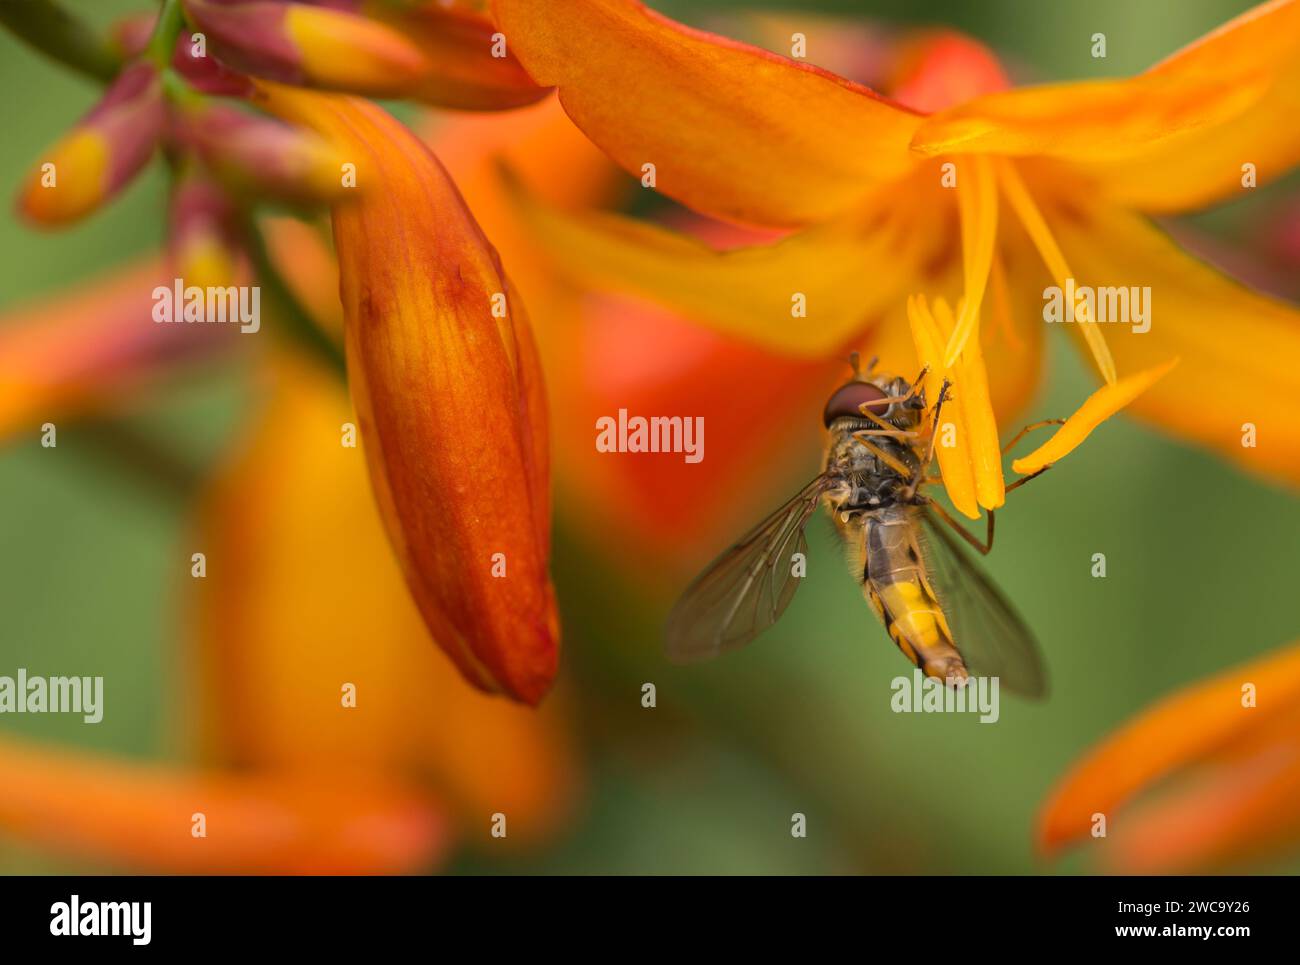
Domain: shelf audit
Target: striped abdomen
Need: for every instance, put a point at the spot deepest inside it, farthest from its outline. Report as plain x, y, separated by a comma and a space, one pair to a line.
895, 583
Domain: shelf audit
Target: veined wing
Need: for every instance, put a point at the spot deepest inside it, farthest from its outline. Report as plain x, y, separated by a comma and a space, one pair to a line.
989, 634
746, 589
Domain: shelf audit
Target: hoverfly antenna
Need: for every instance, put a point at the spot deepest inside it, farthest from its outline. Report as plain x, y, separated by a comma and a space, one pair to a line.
871, 366
853, 364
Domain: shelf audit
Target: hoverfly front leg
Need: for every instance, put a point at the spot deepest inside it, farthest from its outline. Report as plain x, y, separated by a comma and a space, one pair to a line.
885, 428
1028, 429
934, 433
1020, 435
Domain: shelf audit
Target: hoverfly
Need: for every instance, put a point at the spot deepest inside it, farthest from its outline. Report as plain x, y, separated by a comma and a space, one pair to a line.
936, 605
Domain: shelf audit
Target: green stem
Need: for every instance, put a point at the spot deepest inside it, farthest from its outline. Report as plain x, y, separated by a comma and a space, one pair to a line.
165, 31
140, 455
61, 36
297, 324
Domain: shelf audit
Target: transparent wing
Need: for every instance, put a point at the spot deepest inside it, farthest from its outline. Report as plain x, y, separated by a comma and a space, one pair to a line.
990, 636
746, 589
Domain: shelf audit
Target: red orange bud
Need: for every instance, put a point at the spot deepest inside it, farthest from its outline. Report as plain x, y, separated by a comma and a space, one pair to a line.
263, 156
448, 390
203, 239
99, 156
310, 46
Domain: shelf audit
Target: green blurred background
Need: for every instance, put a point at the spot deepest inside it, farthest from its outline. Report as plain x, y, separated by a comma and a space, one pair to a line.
1201, 571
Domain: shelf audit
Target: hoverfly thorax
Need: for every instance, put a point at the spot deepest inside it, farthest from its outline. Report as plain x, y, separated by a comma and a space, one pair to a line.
876, 474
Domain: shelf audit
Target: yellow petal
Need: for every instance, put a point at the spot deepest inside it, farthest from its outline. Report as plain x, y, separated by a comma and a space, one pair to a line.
954, 461
1237, 391
1098, 407
731, 130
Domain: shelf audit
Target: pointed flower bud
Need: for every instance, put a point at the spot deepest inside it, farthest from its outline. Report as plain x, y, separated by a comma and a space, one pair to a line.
204, 246
310, 46
261, 156
449, 397
99, 156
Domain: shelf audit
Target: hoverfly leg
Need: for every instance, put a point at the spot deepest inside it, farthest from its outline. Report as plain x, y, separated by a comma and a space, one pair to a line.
984, 548
1028, 429
892, 462
1024, 479
934, 434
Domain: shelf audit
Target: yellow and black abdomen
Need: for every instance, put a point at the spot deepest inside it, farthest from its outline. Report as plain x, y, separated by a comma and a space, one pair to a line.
896, 584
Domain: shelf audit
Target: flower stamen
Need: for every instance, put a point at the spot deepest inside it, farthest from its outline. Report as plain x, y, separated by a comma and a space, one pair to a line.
977, 203
1023, 203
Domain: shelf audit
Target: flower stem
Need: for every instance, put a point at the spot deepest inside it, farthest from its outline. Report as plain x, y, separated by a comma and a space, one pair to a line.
297, 325
61, 36
163, 41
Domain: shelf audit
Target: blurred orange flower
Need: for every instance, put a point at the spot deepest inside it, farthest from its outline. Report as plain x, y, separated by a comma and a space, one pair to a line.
330, 736
1208, 777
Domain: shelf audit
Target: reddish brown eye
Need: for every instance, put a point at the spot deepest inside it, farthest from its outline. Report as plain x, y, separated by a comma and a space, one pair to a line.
848, 400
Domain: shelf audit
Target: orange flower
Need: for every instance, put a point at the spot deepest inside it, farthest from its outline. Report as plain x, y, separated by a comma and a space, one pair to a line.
1217, 766
330, 737
956, 188
450, 399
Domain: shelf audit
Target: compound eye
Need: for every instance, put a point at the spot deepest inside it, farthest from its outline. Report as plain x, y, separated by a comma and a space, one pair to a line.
848, 401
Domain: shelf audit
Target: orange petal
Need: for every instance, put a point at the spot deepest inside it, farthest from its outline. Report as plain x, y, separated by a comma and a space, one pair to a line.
1238, 383
1180, 102
449, 398
1240, 811
730, 129
143, 816
1258, 51
801, 295
299, 571
1098, 407
1180, 730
